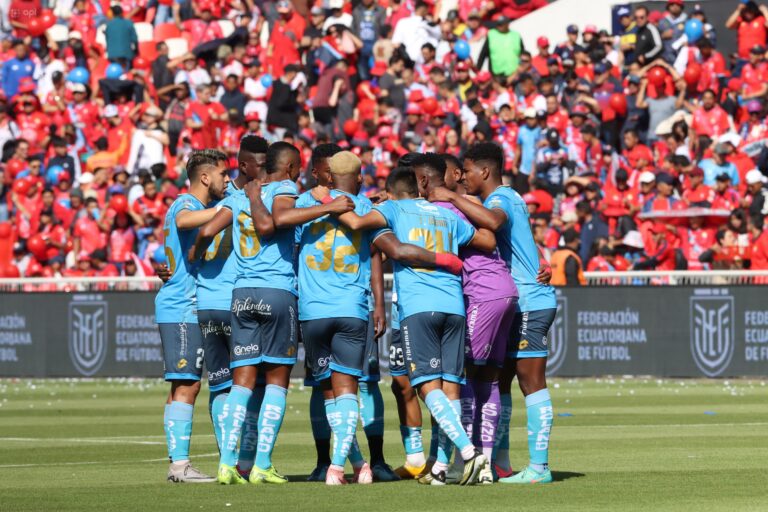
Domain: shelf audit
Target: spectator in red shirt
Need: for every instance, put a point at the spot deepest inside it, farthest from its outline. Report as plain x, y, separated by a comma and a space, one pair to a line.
710, 119
726, 198
696, 193
750, 22
150, 205
759, 255
203, 118
638, 155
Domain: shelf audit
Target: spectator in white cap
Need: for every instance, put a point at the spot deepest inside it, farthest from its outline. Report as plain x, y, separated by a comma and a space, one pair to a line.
148, 141
756, 198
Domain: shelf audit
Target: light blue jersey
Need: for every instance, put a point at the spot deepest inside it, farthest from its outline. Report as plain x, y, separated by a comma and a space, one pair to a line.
176, 301
218, 270
519, 251
436, 229
263, 262
334, 261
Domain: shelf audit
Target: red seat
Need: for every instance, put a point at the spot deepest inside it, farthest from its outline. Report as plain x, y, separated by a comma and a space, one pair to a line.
166, 31
147, 50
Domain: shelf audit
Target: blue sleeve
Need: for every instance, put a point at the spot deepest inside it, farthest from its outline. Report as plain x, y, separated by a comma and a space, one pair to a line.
387, 210
464, 232
734, 175
286, 188
228, 202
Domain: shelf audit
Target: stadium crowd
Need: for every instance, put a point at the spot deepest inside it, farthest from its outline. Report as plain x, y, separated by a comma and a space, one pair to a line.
639, 149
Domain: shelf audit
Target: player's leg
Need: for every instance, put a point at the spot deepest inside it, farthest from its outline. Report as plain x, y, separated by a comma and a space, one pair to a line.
321, 430
245, 355
279, 326
530, 367
215, 326
501, 464
408, 412
486, 355
452, 356
372, 408
183, 354
317, 345
249, 434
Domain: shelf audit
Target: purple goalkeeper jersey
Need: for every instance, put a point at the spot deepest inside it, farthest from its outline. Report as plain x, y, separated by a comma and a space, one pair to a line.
484, 276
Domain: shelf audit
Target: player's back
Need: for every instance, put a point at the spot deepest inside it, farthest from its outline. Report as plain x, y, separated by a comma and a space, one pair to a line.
518, 249
435, 229
334, 265
176, 300
218, 268
264, 262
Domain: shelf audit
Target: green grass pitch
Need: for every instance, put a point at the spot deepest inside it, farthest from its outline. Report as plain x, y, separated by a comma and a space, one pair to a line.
618, 444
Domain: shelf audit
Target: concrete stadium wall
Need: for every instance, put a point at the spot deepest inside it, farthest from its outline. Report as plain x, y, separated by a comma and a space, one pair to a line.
663, 331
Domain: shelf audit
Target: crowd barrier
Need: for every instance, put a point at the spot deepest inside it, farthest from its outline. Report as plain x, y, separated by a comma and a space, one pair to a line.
685, 331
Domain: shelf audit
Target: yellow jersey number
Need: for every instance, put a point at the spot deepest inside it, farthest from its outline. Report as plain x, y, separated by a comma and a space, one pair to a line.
168, 251
434, 241
327, 254
250, 245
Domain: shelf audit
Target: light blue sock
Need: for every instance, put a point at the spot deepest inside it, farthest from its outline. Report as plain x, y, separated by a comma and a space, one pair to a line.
250, 434
270, 421
335, 419
448, 419
318, 415
231, 423
216, 401
434, 441
538, 407
179, 424
371, 409
412, 440
165, 429
501, 444
346, 409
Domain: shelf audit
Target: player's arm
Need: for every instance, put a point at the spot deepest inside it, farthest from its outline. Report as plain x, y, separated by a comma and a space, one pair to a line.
286, 215
414, 256
377, 288
371, 220
477, 214
484, 240
191, 219
210, 229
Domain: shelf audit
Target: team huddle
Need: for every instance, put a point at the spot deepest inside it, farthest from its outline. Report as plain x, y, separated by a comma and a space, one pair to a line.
255, 268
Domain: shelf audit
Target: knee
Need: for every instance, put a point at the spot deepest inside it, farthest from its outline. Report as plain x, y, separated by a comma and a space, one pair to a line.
185, 391
532, 384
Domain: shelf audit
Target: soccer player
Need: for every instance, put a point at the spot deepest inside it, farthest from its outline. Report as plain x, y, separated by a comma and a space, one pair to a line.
264, 307
505, 212
176, 309
215, 281
335, 261
431, 309
490, 297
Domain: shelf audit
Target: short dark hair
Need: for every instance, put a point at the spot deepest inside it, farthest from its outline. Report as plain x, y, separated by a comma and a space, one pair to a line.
323, 151
451, 159
584, 207
570, 235
199, 159
254, 144
407, 159
275, 153
402, 181
486, 152
117, 10
433, 163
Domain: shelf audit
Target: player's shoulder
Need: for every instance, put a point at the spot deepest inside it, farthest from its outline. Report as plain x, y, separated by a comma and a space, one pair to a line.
306, 200
284, 187
186, 202
502, 197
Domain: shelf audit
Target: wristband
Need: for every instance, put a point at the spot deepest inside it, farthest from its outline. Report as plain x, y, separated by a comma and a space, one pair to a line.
326, 200
448, 261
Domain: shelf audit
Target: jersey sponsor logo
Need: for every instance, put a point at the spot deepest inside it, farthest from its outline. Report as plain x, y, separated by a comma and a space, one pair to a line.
87, 335
427, 207
246, 350
221, 373
181, 364
557, 339
434, 362
240, 306
217, 328
712, 332
322, 362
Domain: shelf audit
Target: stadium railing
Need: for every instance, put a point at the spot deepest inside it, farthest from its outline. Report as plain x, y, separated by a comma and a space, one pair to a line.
630, 278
